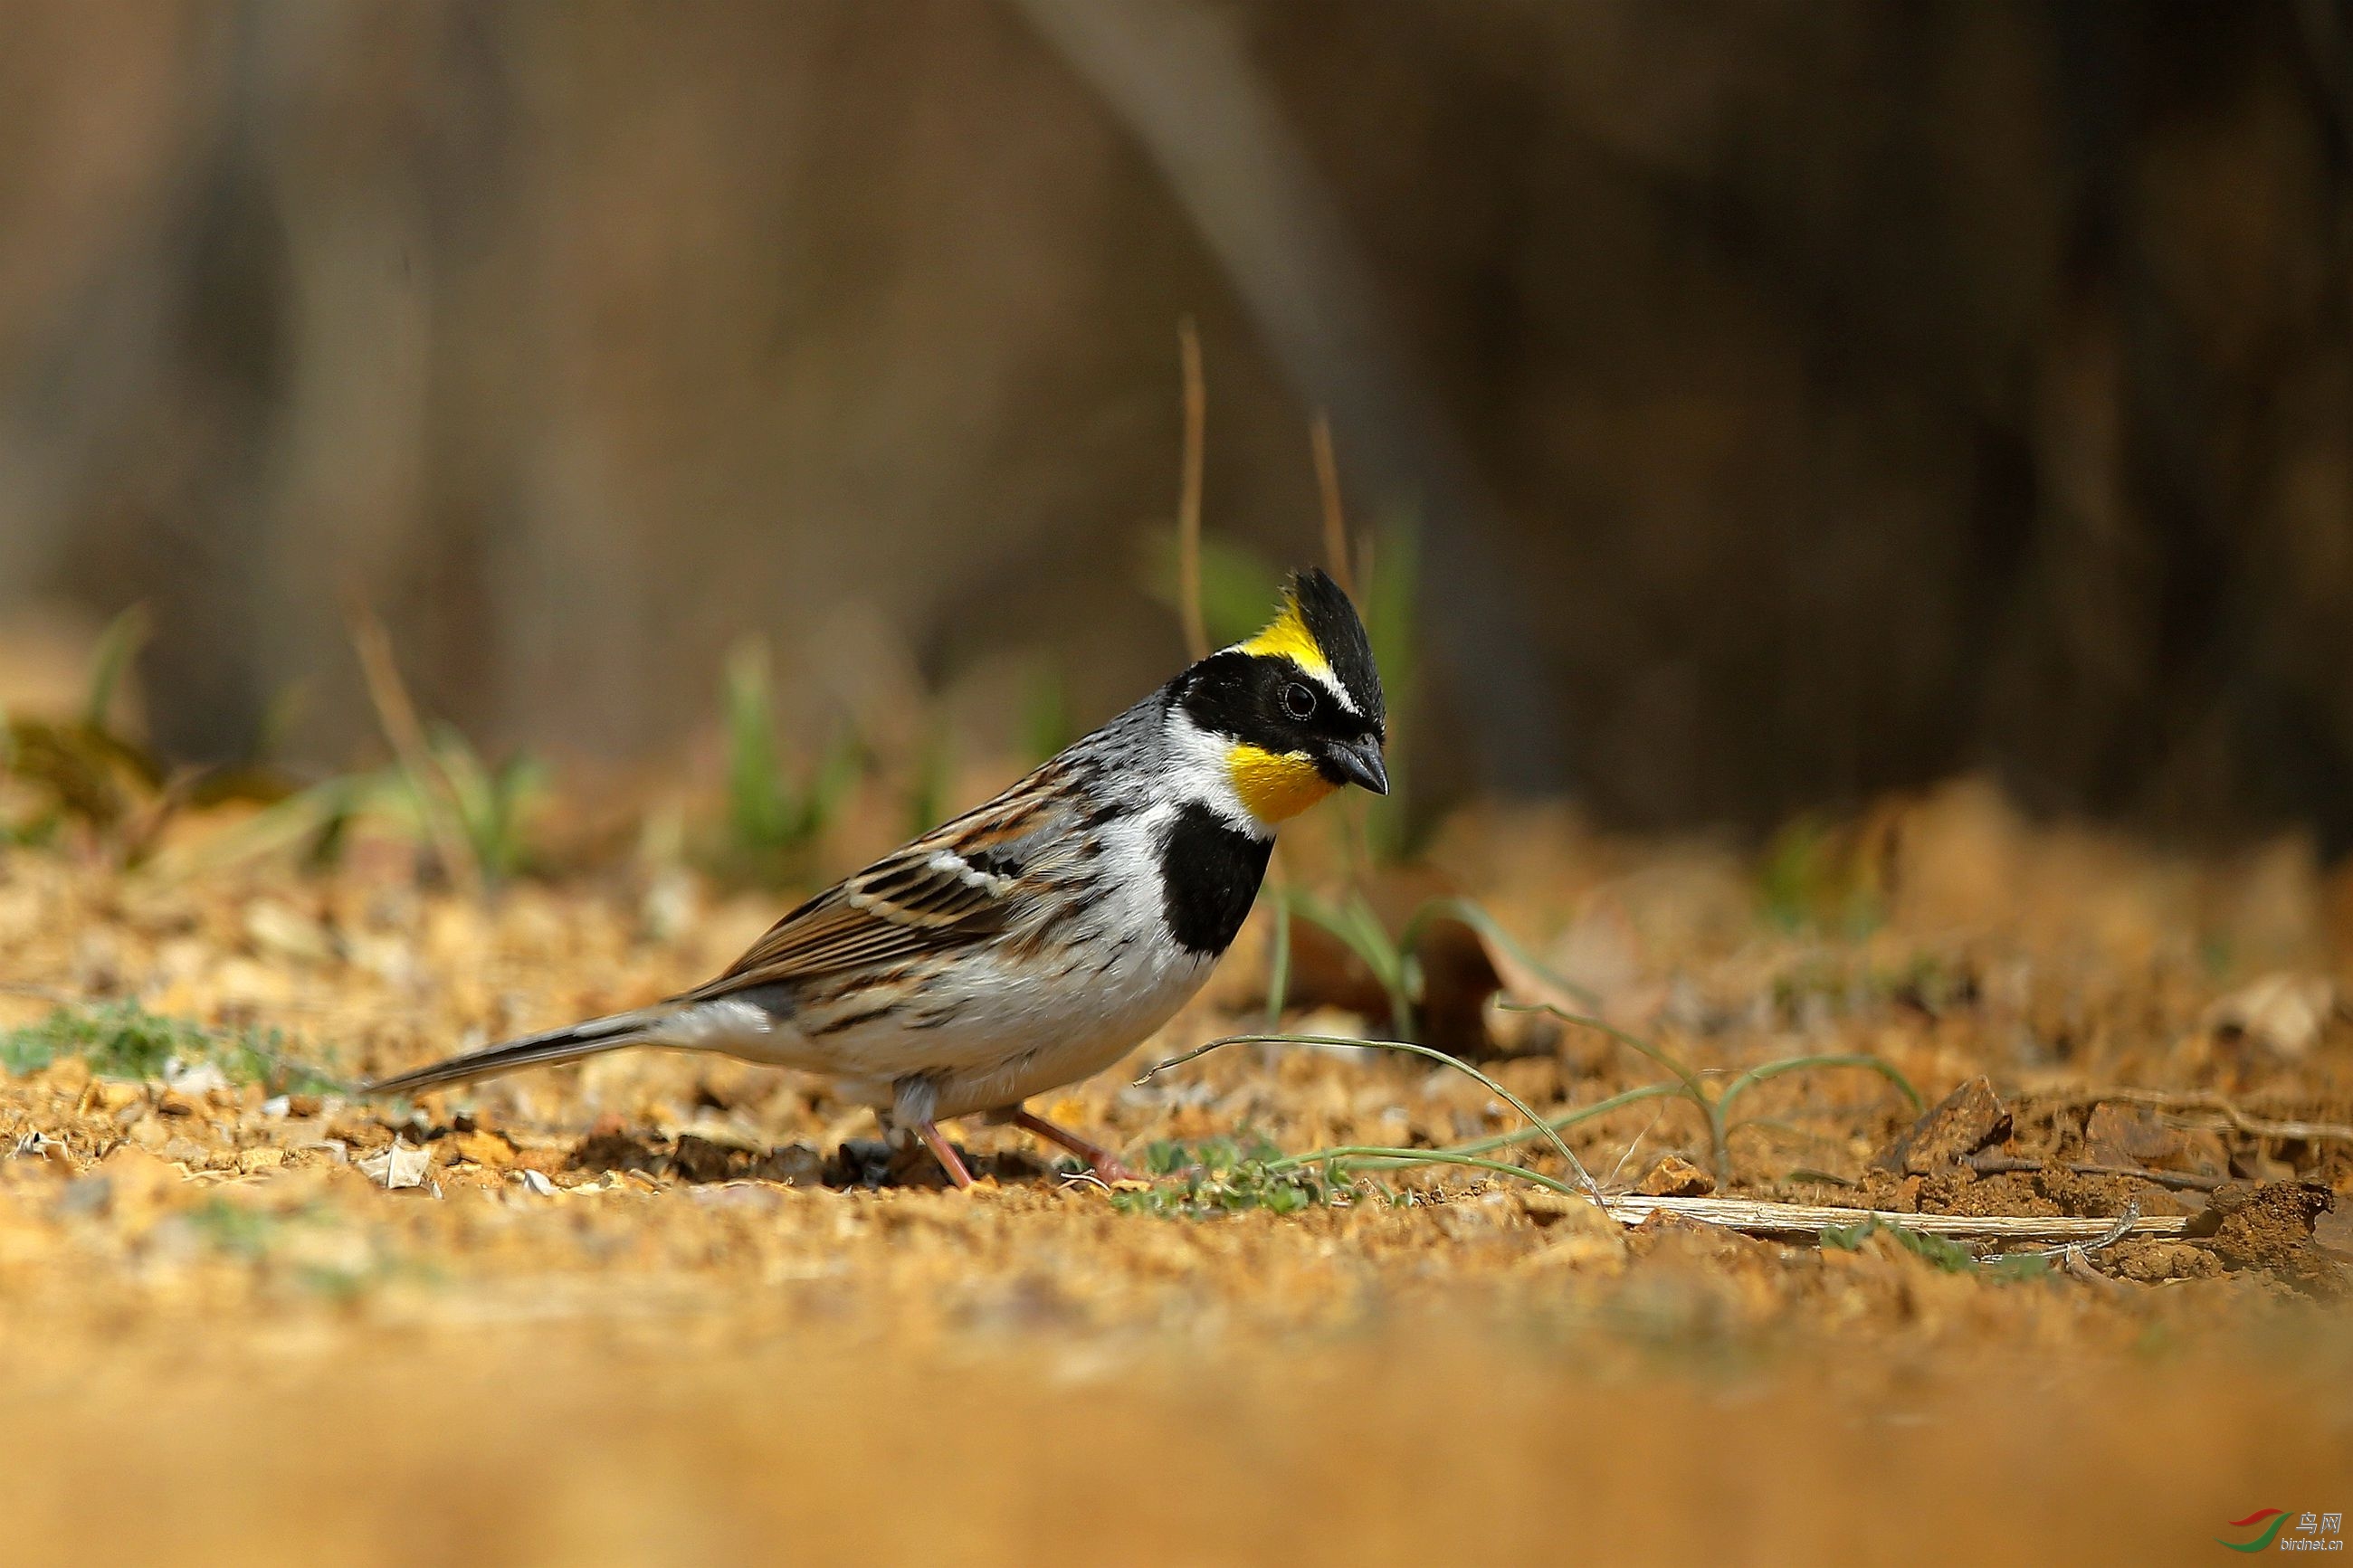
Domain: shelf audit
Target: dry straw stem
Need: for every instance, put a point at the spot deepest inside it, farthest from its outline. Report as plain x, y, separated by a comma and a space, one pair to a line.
1756, 1217
436, 798
1188, 501
2119, 1228
1327, 488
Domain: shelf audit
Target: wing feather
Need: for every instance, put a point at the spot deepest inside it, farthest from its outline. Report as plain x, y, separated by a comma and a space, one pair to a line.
959, 884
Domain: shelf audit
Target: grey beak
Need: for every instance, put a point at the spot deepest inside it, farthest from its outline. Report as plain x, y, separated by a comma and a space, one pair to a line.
1359, 762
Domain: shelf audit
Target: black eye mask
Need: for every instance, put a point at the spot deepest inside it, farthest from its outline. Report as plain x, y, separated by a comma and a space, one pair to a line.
1256, 698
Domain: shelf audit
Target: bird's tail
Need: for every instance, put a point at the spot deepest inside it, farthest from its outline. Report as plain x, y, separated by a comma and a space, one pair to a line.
555, 1045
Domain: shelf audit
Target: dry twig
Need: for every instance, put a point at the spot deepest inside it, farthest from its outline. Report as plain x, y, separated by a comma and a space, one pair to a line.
435, 802
1336, 526
1188, 502
2121, 1228
2232, 1117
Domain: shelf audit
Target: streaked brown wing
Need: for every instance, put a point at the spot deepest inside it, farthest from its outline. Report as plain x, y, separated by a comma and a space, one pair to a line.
958, 884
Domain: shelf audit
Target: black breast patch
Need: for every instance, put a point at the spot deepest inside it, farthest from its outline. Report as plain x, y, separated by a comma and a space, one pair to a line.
1209, 872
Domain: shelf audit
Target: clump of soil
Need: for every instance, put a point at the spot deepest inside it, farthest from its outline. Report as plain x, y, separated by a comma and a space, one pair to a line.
2270, 1227
2052, 1190
1970, 1118
1676, 1177
620, 1150
2153, 1262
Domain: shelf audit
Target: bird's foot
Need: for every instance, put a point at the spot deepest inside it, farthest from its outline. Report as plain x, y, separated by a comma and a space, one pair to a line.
944, 1151
1106, 1165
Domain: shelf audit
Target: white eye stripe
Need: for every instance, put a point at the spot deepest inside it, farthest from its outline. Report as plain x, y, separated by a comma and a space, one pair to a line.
1332, 686
1321, 675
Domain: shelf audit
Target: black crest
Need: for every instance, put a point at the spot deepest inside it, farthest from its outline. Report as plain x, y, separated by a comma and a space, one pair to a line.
1333, 622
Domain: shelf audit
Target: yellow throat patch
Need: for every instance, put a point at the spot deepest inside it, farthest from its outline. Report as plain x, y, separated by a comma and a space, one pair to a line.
1287, 636
1275, 784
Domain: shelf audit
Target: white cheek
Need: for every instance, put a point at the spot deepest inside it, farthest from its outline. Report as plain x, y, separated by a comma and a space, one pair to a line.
1198, 771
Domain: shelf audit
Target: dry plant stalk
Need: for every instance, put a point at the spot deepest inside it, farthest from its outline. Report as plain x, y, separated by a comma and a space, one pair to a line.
1328, 487
397, 714
1188, 502
1756, 1217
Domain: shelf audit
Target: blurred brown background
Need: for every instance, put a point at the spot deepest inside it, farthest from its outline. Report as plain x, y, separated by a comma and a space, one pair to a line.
1795, 400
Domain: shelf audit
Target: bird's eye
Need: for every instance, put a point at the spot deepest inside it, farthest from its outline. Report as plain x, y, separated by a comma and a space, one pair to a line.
1298, 701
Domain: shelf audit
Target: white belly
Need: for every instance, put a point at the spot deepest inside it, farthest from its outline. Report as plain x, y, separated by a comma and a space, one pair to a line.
1004, 1033
1019, 1034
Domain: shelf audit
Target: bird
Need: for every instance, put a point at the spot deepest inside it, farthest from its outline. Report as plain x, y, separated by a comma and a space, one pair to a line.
1039, 937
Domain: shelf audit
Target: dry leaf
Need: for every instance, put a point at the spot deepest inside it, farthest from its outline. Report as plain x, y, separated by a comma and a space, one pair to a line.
397, 1166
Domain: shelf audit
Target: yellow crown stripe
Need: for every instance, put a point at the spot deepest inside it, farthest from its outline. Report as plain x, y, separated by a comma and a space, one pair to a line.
1274, 785
1287, 636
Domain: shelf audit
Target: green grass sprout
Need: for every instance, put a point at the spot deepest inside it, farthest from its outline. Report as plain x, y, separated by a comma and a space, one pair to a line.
123, 1041
1583, 1114
90, 771
769, 822
1491, 930
493, 808
1354, 925
117, 647
431, 791
1714, 1108
1812, 876
243, 1233
1278, 963
1948, 1256
1393, 959
759, 814
1046, 725
1221, 1176
1340, 1160
1591, 1188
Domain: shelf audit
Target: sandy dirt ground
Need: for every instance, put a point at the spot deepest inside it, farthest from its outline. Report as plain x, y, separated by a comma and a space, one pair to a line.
661, 1309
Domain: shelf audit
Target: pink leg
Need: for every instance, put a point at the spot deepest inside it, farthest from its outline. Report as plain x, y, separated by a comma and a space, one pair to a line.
944, 1153
1100, 1159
